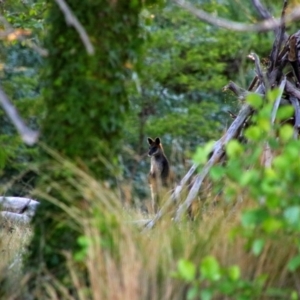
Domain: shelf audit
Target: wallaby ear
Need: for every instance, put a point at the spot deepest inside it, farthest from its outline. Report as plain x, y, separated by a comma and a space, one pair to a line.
157, 141
150, 141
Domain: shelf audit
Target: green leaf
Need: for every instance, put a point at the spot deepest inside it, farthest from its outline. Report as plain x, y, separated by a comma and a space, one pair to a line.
192, 293
294, 295
186, 269
210, 268
202, 153
254, 217
254, 100
271, 225
234, 273
294, 263
258, 246
206, 294
248, 177
217, 172
285, 112
234, 148
264, 124
272, 94
286, 132
292, 214
83, 241
280, 163
253, 133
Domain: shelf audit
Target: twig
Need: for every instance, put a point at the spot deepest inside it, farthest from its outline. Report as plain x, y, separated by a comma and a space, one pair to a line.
28, 136
280, 35
252, 84
237, 90
263, 12
295, 103
278, 99
292, 90
293, 55
258, 69
266, 25
71, 19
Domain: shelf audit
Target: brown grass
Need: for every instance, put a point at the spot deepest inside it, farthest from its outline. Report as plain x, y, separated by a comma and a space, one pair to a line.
139, 264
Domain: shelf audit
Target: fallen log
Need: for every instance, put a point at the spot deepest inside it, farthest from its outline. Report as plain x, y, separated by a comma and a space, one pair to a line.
18, 208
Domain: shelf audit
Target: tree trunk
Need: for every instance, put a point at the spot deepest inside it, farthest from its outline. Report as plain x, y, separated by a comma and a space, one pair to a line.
86, 103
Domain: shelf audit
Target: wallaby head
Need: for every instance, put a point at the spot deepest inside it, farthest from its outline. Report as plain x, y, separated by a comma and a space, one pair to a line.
155, 147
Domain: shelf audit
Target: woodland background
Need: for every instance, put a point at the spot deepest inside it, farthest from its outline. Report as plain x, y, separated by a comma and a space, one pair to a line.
176, 95
162, 75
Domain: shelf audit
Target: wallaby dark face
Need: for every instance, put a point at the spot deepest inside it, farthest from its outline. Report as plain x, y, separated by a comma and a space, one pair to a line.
155, 147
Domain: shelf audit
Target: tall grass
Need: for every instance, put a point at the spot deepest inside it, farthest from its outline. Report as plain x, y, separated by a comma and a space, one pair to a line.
120, 260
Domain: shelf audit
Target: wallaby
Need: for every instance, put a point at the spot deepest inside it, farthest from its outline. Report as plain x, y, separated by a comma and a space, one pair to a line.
159, 175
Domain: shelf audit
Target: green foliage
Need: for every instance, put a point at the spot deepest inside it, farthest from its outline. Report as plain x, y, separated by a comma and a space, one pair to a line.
214, 280
265, 172
86, 92
177, 93
86, 105
19, 79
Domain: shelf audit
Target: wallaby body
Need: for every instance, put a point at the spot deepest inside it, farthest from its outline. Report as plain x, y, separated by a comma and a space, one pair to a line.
159, 175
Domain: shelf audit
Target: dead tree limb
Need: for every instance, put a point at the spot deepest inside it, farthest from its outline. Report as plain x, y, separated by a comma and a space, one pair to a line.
19, 205
279, 39
71, 19
266, 25
28, 135
258, 69
292, 90
219, 150
263, 12
237, 90
278, 100
295, 103
253, 83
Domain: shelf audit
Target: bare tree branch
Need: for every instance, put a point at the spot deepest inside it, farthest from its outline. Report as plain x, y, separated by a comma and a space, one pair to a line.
237, 90
291, 89
72, 20
263, 12
258, 69
278, 100
29, 136
231, 133
266, 25
280, 38
295, 103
